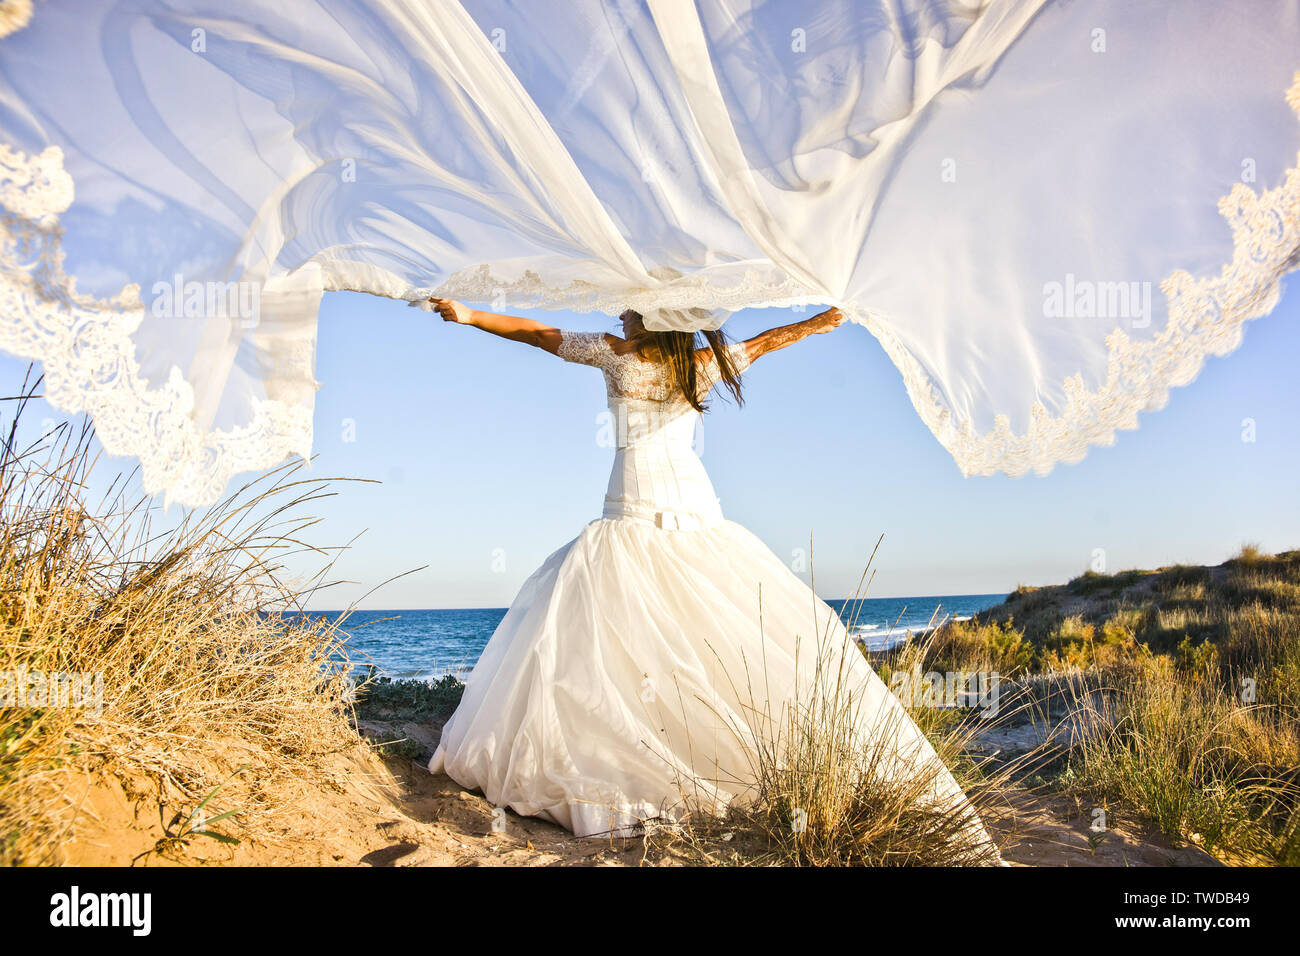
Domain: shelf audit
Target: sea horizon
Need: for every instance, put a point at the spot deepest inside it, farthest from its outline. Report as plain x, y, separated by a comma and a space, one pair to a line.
504, 607
430, 643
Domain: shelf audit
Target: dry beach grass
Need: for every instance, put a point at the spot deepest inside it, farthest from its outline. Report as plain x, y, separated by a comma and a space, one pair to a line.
203, 690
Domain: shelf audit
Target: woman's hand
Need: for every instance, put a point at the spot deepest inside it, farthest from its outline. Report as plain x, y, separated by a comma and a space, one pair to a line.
825, 321
453, 311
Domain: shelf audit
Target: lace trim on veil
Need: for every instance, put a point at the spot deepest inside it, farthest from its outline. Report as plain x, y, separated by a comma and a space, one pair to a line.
89, 357
1206, 317
748, 285
86, 347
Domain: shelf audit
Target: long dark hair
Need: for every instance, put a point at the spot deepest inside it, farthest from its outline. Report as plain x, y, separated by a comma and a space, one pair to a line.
677, 349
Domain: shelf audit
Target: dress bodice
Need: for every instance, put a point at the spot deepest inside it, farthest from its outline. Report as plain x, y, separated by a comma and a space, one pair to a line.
657, 476
631, 378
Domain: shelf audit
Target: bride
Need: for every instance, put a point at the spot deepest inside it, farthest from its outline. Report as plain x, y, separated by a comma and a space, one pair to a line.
641, 666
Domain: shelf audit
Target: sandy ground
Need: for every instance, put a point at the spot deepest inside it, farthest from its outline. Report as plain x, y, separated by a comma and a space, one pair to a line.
382, 812
392, 812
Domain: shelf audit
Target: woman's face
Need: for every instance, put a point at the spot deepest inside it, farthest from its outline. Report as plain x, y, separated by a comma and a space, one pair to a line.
632, 325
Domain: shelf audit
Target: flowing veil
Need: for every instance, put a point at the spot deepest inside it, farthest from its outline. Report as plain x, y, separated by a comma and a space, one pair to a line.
1048, 214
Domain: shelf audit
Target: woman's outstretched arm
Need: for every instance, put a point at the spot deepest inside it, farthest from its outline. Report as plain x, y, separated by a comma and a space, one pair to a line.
513, 327
783, 335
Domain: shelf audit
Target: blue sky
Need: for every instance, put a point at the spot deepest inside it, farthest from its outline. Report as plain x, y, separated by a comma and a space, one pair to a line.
487, 454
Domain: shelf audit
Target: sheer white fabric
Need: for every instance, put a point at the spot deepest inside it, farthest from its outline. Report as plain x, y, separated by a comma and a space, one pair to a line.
1047, 213
644, 666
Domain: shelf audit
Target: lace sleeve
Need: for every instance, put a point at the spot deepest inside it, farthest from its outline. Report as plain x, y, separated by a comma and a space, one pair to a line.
739, 360
739, 356
584, 348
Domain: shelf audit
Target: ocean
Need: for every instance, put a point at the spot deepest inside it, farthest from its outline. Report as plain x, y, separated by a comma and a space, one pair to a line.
435, 642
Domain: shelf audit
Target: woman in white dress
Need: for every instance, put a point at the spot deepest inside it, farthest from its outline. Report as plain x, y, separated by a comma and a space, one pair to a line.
638, 668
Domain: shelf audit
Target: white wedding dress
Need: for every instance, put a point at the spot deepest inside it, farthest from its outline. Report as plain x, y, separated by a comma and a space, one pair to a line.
637, 668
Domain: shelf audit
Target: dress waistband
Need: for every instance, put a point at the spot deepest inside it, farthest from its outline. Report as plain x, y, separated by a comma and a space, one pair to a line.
666, 519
